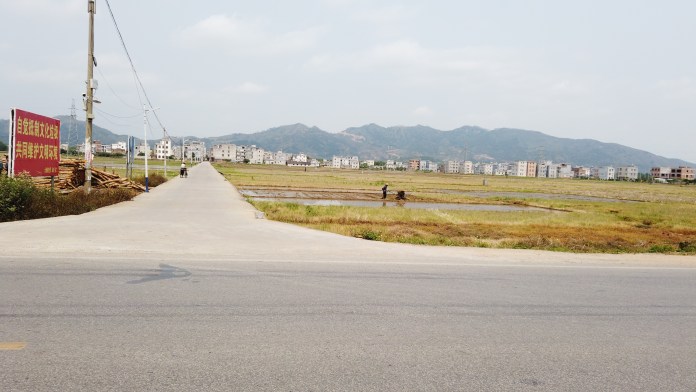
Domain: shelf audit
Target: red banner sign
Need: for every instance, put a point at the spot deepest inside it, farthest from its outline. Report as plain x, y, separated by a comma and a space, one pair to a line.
34, 144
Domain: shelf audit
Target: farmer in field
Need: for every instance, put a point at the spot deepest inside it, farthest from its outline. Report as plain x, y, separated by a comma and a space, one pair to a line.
384, 191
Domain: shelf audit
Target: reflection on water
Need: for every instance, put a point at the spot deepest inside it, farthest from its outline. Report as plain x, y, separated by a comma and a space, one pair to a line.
410, 205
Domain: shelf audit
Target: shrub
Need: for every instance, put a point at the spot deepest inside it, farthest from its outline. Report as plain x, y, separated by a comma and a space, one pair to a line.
15, 197
686, 246
20, 199
370, 235
154, 180
661, 249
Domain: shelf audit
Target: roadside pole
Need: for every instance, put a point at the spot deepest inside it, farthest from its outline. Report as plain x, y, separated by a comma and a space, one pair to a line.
89, 97
147, 179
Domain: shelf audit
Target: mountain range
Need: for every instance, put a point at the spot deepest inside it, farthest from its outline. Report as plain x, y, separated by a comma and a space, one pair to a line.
415, 142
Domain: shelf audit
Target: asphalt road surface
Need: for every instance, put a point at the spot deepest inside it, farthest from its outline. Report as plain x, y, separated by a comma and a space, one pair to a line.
185, 289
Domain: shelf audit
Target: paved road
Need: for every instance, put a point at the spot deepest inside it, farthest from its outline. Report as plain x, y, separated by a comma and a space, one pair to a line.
184, 289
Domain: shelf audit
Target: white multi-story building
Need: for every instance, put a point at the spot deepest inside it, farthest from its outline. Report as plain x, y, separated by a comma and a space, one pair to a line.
177, 151
502, 169
604, 173
451, 167
257, 155
163, 148
582, 172
627, 173
543, 169
119, 148
424, 165
345, 162
301, 157
195, 151
224, 152
519, 169
268, 158
143, 149
486, 169
466, 167
565, 170
105, 148
281, 158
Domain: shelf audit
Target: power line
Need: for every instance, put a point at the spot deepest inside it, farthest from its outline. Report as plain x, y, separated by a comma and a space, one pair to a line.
135, 73
114, 92
116, 116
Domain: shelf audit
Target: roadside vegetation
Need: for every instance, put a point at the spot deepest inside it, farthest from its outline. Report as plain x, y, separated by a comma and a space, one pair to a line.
579, 215
20, 199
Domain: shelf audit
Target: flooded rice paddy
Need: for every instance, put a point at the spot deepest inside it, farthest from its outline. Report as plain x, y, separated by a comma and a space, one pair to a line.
531, 195
356, 199
403, 204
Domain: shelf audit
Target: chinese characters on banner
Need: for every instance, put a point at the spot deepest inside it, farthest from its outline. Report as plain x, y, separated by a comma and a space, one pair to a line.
34, 144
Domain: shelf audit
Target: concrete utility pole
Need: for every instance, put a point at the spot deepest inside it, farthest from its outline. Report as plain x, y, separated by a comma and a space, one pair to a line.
89, 97
147, 179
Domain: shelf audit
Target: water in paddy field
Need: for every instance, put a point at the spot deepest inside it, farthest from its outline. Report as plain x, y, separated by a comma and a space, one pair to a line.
401, 204
525, 195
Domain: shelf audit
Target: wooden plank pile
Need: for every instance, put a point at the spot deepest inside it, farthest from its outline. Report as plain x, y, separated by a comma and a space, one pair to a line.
72, 176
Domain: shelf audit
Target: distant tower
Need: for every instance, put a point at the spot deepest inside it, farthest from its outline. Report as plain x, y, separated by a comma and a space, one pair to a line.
71, 129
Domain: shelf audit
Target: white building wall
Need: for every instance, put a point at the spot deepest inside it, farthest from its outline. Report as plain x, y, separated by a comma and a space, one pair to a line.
224, 152
629, 173
565, 171
466, 167
195, 151
256, 156
520, 169
451, 167
604, 173
163, 148
281, 158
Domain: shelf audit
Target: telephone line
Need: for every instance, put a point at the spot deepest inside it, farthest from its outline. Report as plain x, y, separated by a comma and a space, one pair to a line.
135, 73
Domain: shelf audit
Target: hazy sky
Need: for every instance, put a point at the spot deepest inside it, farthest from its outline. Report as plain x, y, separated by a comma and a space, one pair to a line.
621, 71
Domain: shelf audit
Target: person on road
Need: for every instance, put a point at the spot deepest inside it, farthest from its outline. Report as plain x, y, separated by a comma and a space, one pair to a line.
182, 172
384, 191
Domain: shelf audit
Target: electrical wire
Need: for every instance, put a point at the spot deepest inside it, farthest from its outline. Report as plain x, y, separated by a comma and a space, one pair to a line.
110, 121
114, 92
135, 73
115, 116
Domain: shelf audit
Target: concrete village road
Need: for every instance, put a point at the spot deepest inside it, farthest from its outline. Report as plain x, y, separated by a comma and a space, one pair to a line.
185, 289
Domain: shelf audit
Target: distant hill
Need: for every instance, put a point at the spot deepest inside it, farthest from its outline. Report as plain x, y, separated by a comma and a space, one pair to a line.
76, 135
402, 143
477, 144
293, 138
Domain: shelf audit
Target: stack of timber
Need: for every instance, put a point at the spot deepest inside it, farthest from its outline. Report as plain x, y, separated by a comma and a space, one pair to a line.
72, 176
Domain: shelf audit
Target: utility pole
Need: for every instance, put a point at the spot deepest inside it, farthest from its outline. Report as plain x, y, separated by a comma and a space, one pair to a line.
147, 179
89, 96
145, 111
166, 144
